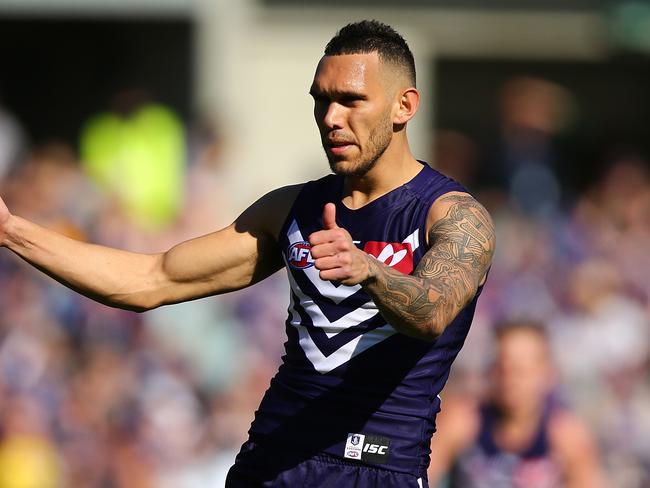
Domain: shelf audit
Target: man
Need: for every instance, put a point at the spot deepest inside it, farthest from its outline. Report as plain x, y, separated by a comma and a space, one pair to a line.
386, 259
521, 437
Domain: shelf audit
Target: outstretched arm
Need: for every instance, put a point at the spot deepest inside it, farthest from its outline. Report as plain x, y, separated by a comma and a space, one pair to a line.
421, 305
232, 258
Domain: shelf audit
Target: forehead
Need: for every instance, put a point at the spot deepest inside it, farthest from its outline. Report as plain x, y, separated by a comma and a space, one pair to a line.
347, 72
522, 346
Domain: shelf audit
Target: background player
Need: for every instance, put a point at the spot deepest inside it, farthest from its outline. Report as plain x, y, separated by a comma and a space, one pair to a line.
386, 259
520, 437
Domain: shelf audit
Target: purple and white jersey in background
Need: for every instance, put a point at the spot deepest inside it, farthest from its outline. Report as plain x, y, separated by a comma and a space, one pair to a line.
350, 386
486, 465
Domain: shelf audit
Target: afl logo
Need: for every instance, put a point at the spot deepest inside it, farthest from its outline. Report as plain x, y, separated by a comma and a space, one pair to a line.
299, 255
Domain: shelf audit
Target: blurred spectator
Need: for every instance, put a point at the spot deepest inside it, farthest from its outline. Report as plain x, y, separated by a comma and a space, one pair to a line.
137, 153
28, 455
533, 112
518, 437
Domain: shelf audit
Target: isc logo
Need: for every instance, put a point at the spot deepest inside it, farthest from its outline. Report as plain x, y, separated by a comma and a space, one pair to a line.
367, 447
299, 256
375, 449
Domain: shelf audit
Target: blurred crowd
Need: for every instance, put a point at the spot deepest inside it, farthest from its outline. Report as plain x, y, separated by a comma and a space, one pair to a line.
576, 262
96, 397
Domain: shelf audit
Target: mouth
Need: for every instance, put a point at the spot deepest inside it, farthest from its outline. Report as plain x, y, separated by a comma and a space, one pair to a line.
338, 148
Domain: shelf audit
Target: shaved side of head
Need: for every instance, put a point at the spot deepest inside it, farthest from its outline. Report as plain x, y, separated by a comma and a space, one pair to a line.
368, 36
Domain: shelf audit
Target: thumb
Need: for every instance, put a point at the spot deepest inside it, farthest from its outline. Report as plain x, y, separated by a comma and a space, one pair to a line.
329, 216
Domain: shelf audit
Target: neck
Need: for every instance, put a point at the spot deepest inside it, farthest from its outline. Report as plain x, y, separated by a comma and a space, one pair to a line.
515, 430
394, 168
521, 416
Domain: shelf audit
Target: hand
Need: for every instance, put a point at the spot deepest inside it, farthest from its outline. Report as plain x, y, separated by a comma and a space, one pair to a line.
4, 219
334, 253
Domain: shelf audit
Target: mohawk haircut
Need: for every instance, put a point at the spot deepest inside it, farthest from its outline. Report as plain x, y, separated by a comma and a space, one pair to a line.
368, 36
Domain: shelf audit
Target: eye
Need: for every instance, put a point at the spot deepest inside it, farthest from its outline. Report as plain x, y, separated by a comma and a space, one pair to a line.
319, 99
350, 100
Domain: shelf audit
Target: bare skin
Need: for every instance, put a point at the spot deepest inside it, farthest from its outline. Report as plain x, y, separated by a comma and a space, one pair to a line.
237, 256
361, 106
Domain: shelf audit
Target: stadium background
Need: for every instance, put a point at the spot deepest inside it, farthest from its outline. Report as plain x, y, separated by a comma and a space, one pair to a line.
541, 107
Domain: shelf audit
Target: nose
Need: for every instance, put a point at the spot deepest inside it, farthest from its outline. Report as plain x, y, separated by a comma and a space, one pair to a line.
333, 116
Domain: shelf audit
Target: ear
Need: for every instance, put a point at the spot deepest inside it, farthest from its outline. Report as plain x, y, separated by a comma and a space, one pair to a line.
406, 105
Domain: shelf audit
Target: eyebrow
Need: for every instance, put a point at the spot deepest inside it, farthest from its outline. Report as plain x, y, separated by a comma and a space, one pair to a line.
339, 94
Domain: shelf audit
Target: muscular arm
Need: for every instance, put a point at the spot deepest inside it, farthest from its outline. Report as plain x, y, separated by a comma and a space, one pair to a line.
421, 305
447, 277
232, 258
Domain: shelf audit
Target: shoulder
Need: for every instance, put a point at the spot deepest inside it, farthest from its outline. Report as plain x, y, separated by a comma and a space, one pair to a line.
455, 200
568, 433
576, 449
269, 212
430, 184
460, 230
283, 196
460, 210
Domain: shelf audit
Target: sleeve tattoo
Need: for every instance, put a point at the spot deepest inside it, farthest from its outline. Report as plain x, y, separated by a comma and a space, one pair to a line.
446, 279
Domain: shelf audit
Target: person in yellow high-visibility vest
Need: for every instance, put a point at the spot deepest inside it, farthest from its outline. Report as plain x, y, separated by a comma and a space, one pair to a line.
139, 158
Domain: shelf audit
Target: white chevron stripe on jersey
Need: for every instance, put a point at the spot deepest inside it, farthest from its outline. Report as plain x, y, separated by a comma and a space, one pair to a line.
413, 240
324, 364
336, 293
318, 318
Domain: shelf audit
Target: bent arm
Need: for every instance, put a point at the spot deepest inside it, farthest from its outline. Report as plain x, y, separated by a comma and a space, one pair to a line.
462, 243
234, 257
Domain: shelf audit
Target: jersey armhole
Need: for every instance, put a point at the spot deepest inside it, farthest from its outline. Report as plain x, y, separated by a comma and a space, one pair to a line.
308, 186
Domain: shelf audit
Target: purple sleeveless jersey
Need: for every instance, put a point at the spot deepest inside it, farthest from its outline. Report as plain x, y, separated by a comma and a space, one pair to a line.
351, 387
486, 465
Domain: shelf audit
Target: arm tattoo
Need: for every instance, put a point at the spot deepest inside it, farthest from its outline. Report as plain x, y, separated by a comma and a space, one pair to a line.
447, 277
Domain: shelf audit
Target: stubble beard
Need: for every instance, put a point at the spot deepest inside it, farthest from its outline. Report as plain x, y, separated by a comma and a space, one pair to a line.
378, 141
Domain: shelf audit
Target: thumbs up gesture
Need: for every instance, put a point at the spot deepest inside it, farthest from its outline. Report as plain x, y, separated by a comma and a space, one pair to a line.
334, 253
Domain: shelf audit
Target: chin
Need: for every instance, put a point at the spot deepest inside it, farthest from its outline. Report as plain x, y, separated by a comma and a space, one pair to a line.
347, 168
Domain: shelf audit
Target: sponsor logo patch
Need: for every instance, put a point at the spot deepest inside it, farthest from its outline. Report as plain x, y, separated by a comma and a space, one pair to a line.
299, 255
368, 448
394, 254
354, 446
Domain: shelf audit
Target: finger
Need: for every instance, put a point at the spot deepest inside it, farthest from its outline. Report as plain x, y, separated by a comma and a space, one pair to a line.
329, 216
334, 274
331, 235
327, 262
322, 250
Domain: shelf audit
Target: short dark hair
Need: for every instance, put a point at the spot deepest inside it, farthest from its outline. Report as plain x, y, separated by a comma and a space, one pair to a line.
533, 326
368, 36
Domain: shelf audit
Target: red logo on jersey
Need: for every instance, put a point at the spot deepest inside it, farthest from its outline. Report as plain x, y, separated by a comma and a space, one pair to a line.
299, 255
393, 254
